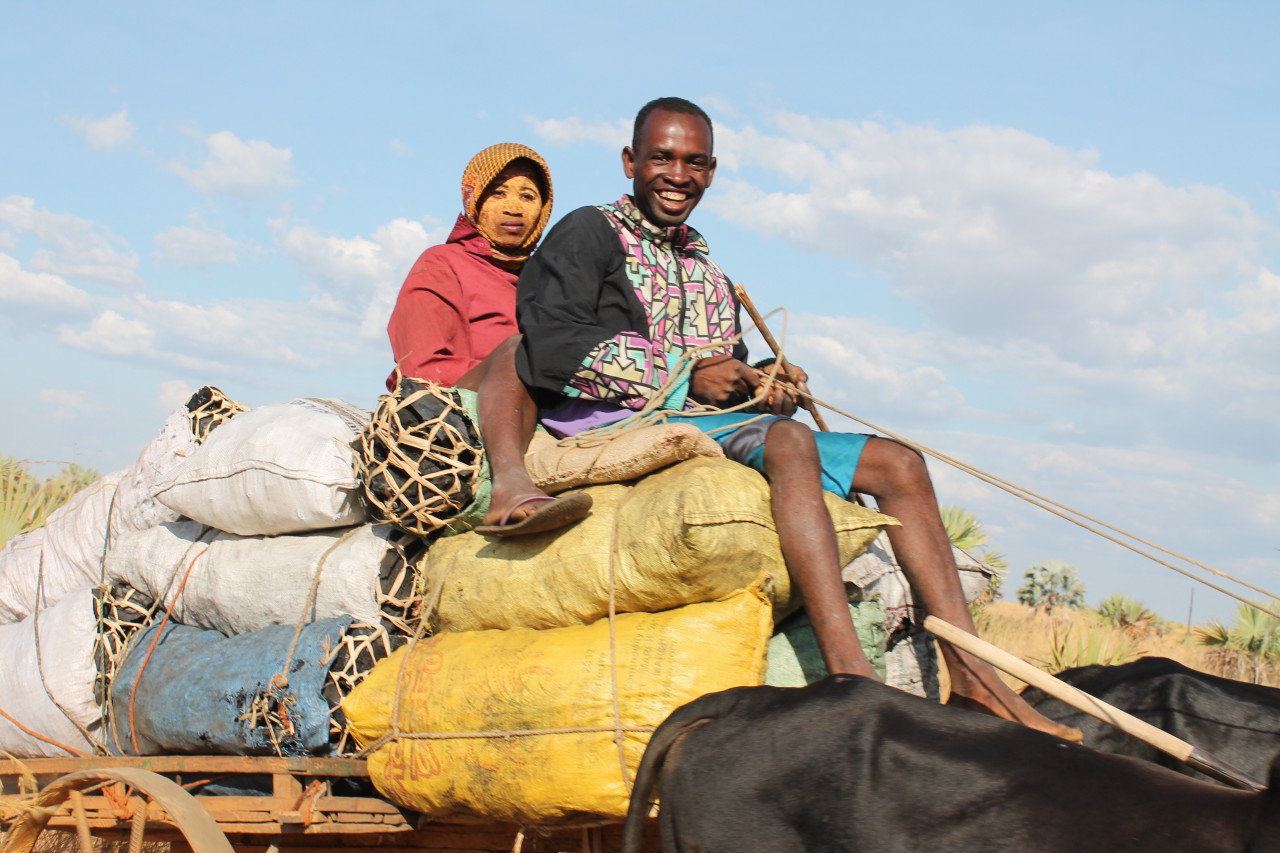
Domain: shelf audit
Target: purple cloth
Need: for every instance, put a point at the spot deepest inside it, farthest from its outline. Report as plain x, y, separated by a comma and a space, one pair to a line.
580, 414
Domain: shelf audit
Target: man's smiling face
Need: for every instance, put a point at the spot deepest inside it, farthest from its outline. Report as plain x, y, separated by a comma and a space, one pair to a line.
670, 166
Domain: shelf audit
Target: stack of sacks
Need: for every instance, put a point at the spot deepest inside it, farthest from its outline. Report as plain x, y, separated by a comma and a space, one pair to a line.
275, 536
67, 552
51, 582
692, 563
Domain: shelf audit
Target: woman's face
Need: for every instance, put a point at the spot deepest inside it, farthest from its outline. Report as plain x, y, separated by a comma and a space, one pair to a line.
510, 207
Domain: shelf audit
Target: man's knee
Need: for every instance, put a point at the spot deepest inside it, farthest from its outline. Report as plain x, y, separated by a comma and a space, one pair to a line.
896, 463
789, 442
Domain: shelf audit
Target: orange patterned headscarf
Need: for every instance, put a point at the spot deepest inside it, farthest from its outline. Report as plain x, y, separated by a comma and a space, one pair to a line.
486, 166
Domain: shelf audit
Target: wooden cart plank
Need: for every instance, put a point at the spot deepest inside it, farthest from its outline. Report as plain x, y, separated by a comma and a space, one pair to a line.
212, 764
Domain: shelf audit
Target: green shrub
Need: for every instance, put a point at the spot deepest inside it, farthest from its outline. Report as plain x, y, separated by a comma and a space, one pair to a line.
1052, 584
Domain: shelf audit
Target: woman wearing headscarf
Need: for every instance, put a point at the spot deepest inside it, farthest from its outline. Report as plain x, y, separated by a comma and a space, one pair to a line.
454, 323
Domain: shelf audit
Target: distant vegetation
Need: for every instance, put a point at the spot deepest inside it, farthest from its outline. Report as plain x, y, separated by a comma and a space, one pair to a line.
26, 500
1250, 648
1052, 627
1050, 585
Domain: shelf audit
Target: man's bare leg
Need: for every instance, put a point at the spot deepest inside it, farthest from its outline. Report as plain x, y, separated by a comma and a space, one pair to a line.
896, 476
508, 416
809, 547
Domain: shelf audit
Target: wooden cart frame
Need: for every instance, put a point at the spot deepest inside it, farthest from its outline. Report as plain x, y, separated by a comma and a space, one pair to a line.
149, 799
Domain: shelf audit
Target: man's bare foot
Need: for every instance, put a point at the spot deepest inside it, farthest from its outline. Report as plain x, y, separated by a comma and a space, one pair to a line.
522, 498
975, 691
534, 513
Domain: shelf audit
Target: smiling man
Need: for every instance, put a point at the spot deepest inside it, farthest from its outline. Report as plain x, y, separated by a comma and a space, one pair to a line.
619, 293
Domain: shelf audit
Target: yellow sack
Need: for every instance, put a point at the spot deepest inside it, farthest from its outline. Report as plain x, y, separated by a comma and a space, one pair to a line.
522, 680
693, 532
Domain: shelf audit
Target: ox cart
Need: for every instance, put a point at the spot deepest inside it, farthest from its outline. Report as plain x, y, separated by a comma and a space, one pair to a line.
314, 805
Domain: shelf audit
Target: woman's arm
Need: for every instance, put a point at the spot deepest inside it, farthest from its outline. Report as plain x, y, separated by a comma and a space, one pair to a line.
430, 338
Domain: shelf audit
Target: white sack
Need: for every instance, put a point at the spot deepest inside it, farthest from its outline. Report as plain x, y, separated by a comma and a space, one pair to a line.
67, 631
69, 552
280, 468
877, 574
135, 508
242, 584
19, 567
911, 663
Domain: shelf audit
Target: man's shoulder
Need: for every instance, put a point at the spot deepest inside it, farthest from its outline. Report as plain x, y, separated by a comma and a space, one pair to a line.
587, 215
585, 223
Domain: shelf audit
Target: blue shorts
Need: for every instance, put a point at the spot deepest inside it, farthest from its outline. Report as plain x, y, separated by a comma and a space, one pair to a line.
839, 451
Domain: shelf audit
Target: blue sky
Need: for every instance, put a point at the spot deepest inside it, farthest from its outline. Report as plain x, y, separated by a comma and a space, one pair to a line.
1037, 237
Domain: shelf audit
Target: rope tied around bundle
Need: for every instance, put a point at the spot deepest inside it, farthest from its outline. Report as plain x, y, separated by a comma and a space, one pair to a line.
619, 730
419, 457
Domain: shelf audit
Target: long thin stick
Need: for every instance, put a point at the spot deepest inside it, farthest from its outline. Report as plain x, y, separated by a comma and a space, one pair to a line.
777, 352
1194, 756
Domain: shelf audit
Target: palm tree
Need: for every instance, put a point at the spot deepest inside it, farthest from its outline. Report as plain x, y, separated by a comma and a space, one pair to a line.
1251, 644
1051, 584
1127, 614
966, 532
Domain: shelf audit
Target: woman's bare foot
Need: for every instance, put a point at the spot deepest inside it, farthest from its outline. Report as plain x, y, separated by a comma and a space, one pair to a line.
976, 687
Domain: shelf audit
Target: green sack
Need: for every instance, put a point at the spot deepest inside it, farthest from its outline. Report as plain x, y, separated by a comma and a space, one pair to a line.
794, 659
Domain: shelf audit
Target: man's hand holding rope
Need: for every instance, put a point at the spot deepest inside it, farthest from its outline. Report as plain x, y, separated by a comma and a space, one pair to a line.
725, 381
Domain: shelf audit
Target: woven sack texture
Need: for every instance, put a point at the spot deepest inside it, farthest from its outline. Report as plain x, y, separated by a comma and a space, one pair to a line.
202, 692
278, 469
795, 659
519, 680
628, 455
69, 555
693, 532
135, 506
47, 684
239, 584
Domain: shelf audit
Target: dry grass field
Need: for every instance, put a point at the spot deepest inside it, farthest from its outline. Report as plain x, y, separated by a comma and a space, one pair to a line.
1070, 637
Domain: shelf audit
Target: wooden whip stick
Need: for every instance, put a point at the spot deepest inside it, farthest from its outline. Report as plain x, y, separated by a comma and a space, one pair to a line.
1194, 756
777, 352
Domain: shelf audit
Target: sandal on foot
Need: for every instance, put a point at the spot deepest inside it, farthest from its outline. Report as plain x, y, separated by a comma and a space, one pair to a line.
552, 515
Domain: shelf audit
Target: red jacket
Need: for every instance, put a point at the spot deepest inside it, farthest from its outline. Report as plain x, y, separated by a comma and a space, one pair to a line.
454, 309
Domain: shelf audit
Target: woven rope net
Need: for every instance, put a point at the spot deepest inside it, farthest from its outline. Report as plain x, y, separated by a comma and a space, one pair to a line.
363, 645
122, 612
419, 457
208, 409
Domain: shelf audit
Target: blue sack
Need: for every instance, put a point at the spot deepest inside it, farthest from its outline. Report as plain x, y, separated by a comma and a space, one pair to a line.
204, 693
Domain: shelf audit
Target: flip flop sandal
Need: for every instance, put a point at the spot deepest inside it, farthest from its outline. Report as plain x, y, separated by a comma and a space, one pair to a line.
554, 514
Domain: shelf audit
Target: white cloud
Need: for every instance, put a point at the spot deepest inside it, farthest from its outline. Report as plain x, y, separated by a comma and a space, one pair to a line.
65, 404
237, 337
401, 148
30, 299
570, 130
73, 247
172, 394
855, 361
196, 245
239, 168
986, 223
358, 276
110, 132
111, 334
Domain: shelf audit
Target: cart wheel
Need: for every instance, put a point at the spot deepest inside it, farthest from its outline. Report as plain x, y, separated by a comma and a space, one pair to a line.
191, 819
